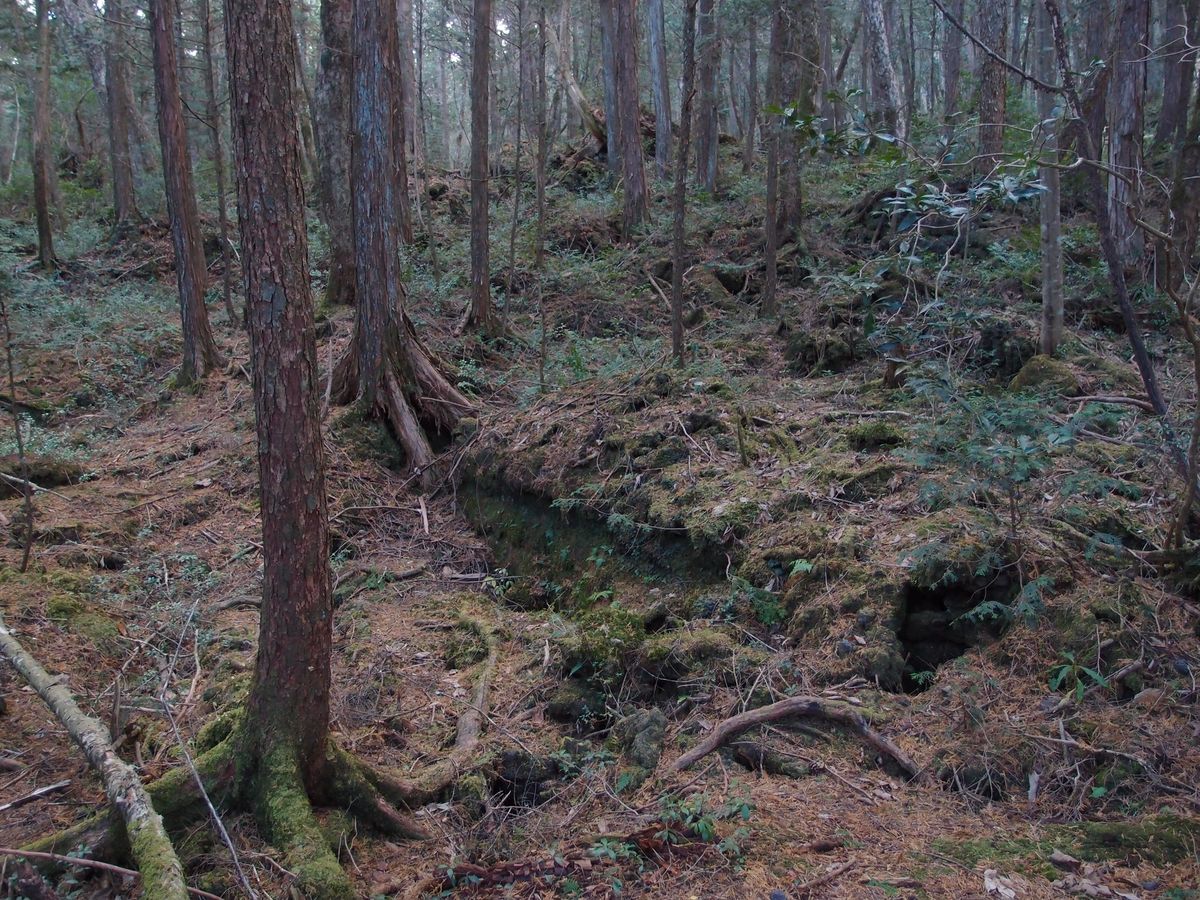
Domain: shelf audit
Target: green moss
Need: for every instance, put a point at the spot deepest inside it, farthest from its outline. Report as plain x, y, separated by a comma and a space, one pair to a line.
875, 435
64, 607
603, 639
367, 437
858, 483
1161, 839
285, 812
1047, 375
156, 861
76, 616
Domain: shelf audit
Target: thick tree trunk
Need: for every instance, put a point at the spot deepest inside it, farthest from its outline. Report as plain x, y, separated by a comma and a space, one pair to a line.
1179, 69
332, 102
126, 215
1185, 199
1051, 199
1126, 127
42, 188
191, 272
708, 49
660, 85
890, 114
288, 708
636, 207
993, 88
800, 60
608, 61
479, 311
679, 198
561, 46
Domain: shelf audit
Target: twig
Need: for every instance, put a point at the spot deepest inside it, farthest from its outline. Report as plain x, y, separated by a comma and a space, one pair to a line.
829, 876
92, 864
33, 795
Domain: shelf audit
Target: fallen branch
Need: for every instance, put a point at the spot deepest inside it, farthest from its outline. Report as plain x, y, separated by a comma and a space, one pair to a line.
91, 864
33, 795
809, 886
162, 873
795, 707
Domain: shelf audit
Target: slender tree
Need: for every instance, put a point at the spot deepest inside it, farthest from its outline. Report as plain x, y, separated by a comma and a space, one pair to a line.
1051, 198
769, 304
332, 104
41, 141
612, 114
707, 120
126, 215
191, 272
543, 141
212, 112
479, 310
751, 132
679, 200
660, 85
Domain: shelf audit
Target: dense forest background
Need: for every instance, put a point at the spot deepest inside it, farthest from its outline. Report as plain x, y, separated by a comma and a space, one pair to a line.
687, 448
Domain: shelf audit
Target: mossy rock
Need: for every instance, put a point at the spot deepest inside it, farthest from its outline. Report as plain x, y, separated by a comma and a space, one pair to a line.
813, 350
78, 617
713, 651
875, 435
44, 471
1044, 374
464, 648
639, 738
574, 701
367, 437
603, 639
859, 483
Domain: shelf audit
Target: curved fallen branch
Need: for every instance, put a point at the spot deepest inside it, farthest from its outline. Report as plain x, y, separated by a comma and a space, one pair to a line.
797, 707
162, 874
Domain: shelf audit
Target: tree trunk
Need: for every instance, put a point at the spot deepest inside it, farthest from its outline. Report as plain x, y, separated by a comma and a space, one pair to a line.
1051, 199
191, 272
801, 61
41, 141
660, 85
126, 215
479, 312
539, 253
952, 59
1185, 199
1179, 69
11, 139
993, 88
769, 304
608, 58
213, 114
707, 124
1126, 126
386, 366
333, 147
636, 208
414, 145
890, 114
562, 52
679, 198
748, 144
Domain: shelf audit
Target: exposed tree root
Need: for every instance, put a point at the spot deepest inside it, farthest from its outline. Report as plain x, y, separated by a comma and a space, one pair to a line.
149, 845
270, 786
794, 707
411, 391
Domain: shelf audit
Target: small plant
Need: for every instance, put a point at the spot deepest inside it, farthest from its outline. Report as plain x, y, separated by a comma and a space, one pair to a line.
1074, 677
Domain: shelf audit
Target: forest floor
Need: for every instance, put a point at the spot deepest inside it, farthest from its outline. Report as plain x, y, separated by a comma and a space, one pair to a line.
860, 504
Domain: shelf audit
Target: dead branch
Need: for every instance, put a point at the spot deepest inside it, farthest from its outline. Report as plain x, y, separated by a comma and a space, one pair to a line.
796, 707
148, 840
90, 864
33, 795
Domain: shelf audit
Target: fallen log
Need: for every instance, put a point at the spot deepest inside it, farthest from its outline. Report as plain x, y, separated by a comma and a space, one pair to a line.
162, 874
797, 707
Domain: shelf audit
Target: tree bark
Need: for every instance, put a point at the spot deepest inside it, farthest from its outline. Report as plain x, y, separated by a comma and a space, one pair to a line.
162, 874
890, 114
608, 60
660, 85
126, 215
707, 123
636, 207
41, 141
191, 272
749, 138
543, 139
769, 305
1051, 199
993, 88
213, 114
414, 145
679, 198
1179, 69
479, 313
562, 52
952, 59
1126, 126
11, 139
332, 101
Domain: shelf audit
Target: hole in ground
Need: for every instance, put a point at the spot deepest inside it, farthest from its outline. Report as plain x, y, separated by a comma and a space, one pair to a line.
933, 630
